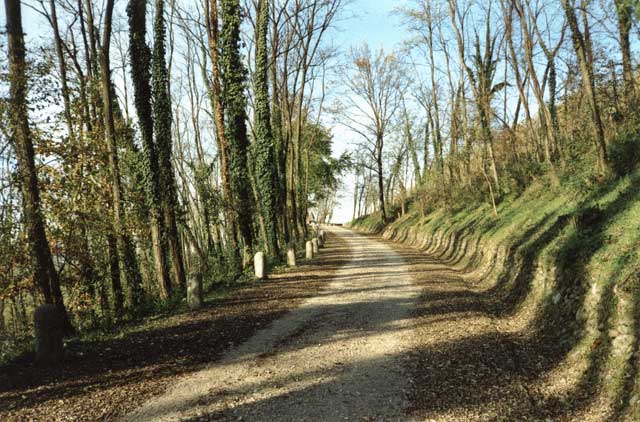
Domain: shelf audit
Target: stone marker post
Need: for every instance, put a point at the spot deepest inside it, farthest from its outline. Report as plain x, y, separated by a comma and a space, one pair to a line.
314, 243
48, 322
195, 297
309, 250
195, 293
291, 257
259, 266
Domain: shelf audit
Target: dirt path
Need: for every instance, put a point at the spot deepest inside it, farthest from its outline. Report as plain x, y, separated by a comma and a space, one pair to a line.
465, 365
369, 331
338, 356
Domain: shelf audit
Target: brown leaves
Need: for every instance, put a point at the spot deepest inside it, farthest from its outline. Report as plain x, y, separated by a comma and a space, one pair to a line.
108, 377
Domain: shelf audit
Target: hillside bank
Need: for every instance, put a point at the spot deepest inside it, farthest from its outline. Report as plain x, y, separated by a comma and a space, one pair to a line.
558, 271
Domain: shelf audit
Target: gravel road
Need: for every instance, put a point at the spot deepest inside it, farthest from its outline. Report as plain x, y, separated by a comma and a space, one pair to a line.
335, 357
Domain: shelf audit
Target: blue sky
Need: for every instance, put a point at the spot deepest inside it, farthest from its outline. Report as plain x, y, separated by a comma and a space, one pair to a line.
374, 23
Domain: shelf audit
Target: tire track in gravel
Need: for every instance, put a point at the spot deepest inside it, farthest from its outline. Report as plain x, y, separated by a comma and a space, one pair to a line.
338, 356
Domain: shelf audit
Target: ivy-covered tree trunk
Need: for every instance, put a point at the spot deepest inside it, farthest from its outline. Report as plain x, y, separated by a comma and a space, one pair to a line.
2, 321
233, 79
44, 272
125, 245
276, 133
162, 130
265, 165
140, 57
215, 97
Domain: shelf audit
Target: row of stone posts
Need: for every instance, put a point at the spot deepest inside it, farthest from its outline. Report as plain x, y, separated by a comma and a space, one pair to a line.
48, 320
312, 248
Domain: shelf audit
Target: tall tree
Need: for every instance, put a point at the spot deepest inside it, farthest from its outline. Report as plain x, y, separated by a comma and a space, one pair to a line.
126, 248
162, 131
552, 78
434, 91
376, 82
277, 17
582, 47
62, 66
215, 89
140, 56
549, 138
45, 274
233, 78
481, 71
411, 144
265, 165
625, 10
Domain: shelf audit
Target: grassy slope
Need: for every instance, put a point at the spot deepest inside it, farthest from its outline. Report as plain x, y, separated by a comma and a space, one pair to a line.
561, 270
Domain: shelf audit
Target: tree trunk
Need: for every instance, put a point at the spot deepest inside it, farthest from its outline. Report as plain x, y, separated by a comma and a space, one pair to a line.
425, 158
586, 69
545, 118
411, 145
2, 320
379, 144
44, 272
233, 82
124, 243
62, 67
625, 13
276, 126
140, 56
221, 137
266, 172
162, 130
521, 82
114, 270
355, 198
436, 130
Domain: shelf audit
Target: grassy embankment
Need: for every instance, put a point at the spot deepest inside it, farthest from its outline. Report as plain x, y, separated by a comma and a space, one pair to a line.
559, 270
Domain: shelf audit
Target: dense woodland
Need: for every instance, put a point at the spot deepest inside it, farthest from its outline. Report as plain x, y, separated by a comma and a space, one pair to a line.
488, 97
145, 142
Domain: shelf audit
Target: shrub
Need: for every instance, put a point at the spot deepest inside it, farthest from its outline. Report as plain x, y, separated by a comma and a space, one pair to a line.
624, 153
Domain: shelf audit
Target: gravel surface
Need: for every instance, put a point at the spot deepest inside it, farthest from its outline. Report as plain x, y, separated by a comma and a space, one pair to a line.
464, 367
338, 356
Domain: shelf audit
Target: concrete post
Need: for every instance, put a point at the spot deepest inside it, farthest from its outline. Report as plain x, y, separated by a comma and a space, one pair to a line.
259, 266
48, 322
309, 250
195, 297
195, 293
291, 257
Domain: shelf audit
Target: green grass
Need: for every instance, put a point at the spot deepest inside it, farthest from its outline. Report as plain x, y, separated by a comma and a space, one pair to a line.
577, 240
